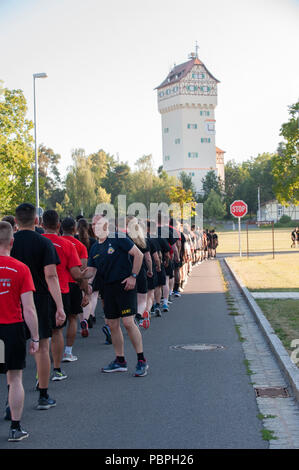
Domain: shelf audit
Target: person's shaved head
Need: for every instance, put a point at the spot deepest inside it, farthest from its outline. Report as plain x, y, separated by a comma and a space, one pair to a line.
6, 234
25, 215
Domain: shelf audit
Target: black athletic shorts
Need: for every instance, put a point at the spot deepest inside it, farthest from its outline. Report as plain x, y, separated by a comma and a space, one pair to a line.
45, 309
161, 276
98, 285
152, 282
169, 269
13, 337
75, 299
141, 281
119, 303
66, 300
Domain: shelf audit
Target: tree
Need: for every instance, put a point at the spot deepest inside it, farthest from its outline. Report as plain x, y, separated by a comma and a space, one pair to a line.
99, 165
102, 195
143, 180
118, 180
16, 151
80, 185
186, 181
286, 161
50, 188
211, 181
178, 195
213, 207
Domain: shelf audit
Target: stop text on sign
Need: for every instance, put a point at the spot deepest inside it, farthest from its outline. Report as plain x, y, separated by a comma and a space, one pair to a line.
238, 208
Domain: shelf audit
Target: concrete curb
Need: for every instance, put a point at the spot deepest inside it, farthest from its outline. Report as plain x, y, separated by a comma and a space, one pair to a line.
289, 369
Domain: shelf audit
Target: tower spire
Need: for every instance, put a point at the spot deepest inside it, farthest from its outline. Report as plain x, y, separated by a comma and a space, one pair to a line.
196, 49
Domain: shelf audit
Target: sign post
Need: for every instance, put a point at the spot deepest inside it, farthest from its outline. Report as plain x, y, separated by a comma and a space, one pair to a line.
239, 209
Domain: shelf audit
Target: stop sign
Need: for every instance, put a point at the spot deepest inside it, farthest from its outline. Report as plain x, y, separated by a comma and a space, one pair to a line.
238, 208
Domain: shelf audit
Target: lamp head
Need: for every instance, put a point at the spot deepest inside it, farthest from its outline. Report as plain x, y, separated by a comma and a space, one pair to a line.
40, 75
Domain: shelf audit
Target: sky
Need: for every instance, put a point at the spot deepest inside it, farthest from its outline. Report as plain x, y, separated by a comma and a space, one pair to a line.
105, 57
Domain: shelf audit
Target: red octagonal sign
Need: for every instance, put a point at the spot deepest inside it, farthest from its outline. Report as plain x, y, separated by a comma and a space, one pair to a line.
238, 208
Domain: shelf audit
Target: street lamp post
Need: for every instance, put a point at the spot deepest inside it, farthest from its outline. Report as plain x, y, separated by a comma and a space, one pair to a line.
36, 75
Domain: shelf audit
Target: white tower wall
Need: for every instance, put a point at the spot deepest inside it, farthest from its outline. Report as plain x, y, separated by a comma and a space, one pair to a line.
188, 123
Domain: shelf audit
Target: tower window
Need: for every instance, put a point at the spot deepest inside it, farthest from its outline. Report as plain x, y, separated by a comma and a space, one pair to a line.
191, 173
205, 88
167, 157
177, 141
175, 89
205, 140
191, 126
210, 127
205, 113
166, 130
192, 155
192, 87
198, 75
161, 94
168, 91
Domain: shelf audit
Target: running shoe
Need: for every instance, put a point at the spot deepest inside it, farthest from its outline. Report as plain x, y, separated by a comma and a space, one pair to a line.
141, 369
93, 318
58, 375
7, 414
69, 357
145, 321
115, 366
45, 403
90, 322
170, 300
36, 383
157, 311
84, 328
107, 333
165, 308
177, 294
17, 435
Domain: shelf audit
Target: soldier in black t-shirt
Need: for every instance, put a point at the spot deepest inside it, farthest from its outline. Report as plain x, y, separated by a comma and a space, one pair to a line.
39, 254
118, 261
295, 237
214, 243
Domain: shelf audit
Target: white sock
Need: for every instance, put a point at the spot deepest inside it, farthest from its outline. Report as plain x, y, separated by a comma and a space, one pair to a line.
165, 301
68, 349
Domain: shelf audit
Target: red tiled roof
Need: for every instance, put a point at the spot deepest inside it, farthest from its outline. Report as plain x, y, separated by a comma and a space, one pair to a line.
180, 71
218, 150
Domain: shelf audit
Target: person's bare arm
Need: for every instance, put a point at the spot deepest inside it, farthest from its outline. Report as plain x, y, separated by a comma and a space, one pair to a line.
31, 321
54, 289
175, 252
130, 281
149, 263
77, 273
157, 261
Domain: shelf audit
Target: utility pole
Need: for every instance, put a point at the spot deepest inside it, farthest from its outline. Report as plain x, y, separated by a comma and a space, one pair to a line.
258, 204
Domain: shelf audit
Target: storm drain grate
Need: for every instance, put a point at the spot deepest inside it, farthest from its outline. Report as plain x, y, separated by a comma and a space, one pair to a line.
197, 347
272, 392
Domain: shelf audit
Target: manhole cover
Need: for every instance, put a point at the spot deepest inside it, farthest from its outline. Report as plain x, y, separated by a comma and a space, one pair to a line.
198, 347
272, 392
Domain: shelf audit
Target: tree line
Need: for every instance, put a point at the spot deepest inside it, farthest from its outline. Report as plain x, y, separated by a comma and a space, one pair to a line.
100, 177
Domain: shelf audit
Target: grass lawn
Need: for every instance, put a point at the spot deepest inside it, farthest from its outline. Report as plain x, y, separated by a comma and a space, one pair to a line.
262, 273
258, 241
284, 318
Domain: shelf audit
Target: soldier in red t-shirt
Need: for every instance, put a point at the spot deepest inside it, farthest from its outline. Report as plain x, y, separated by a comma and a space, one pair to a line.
16, 292
77, 301
70, 265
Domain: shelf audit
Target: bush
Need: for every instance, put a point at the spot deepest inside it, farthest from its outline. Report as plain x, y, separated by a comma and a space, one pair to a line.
285, 219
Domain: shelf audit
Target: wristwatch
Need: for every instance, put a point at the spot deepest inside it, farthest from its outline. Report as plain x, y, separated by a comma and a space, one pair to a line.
134, 275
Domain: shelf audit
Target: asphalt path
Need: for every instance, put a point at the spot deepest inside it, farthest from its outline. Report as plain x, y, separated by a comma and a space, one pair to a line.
188, 400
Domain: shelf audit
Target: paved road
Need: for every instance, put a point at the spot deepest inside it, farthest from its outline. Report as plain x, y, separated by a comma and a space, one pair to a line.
190, 399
